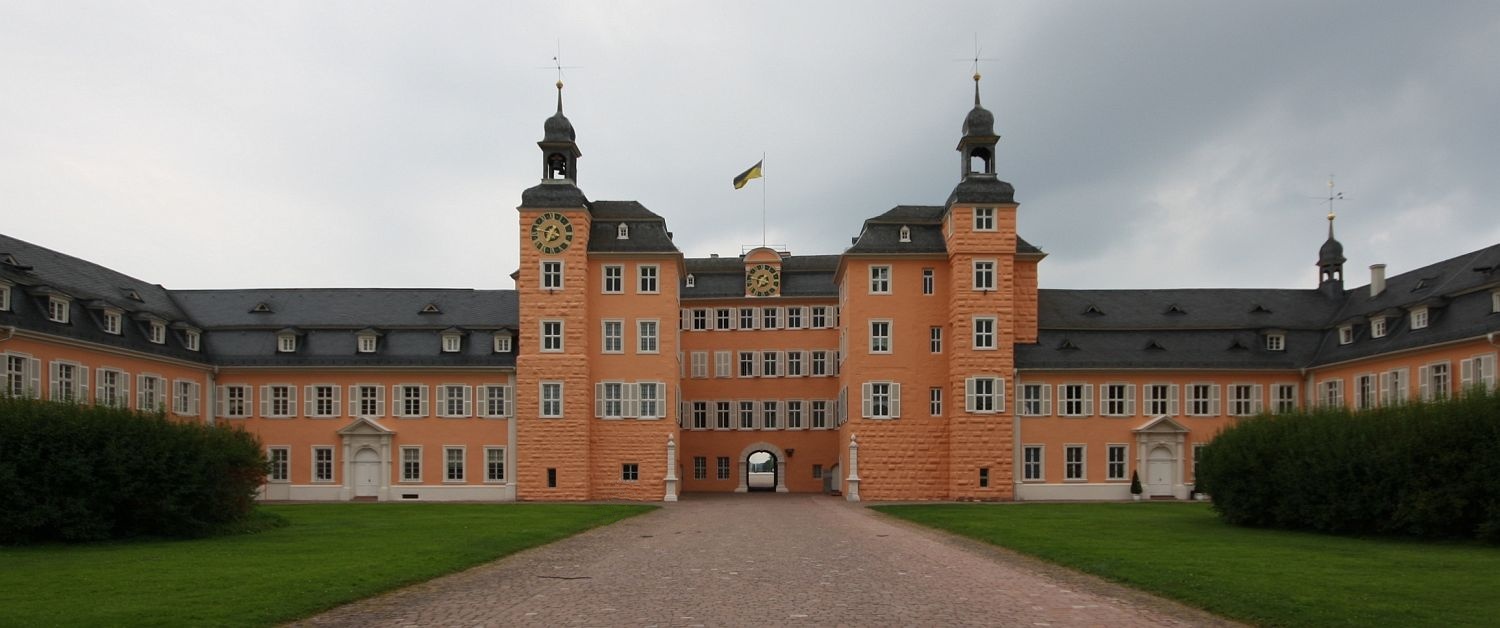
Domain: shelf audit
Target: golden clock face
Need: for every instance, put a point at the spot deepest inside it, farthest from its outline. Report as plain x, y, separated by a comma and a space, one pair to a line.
551, 233
762, 280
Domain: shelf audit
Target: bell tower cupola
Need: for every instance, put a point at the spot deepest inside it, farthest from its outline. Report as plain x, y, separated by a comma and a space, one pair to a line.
1331, 264
977, 147
559, 150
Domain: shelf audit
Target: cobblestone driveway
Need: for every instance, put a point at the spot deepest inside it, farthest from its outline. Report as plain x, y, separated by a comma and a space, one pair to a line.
763, 559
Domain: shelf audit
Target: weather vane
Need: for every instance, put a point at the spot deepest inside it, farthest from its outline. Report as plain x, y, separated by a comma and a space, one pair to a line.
557, 64
976, 58
1332, 196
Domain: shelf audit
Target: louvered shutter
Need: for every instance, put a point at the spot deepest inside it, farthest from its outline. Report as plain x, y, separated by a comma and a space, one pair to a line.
380, 401
895, 400
864, 394
1258, 399
1466, 373
82, 383
684, 319
1130, 400
422, 392
1422, 382
291, 405
1487, 370
308, 394
1174, 396
265, 401
354, 400
599, 400
468, 394
969, 395
219, 401
196, 400
1000, 395
54, 370
338, 401
632, 401
1385, 389
1213, 399
1046, 399
1088, 400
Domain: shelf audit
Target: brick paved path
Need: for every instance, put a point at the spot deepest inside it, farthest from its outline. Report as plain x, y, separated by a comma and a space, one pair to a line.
763, 559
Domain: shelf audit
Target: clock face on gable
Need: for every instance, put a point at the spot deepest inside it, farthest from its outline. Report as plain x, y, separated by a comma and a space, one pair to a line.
551, 233
762, 280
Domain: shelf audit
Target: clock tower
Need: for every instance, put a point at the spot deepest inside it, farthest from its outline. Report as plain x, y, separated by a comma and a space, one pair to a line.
762, 273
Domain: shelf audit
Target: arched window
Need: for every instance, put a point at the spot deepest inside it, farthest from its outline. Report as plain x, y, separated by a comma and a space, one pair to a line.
690, 280
623, 232
905, 233
979, 160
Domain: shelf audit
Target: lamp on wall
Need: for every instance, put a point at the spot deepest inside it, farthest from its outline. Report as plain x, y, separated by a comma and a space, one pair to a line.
790, 451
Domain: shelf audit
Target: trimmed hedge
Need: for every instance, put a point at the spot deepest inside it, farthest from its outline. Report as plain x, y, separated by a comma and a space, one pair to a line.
84, 473
1422, 469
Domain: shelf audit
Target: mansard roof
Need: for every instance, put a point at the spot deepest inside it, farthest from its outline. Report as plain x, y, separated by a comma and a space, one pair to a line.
647, 231
1187, 308
351, 308
338, 347
1165, 349
881, 235
724, 277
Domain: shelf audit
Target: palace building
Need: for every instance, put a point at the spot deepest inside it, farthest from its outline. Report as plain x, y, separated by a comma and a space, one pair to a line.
924, 362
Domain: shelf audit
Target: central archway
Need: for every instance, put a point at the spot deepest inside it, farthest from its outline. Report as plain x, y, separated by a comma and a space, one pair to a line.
777, 462
762, 471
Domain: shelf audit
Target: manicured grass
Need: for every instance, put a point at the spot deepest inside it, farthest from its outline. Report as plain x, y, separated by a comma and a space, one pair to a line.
1267, 577
328, 555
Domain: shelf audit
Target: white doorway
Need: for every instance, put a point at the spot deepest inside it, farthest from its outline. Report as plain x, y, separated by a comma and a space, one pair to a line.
1159, 472
366, 473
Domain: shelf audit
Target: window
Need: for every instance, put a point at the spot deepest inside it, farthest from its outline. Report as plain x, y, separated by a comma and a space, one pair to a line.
747, 415
647, 275
1477, 371
881, 400
158, 334
747, 364
1073, 468
817, 472
1076, 399
700, 415
286, 343
22, 376
794, 364
880, 280
652, 400
770, 363
984, 395
113, 391
1394, 386
4, 297
69, 382
609, 400
935, 339
552, 275
723, 318
1435, 381
452, 343
277, 400
1203, 400
690, 281
1119, 399
411, 464
552, 393
794, 318
747, 318
1364, 391
984, 275
820, 415
57, 309
722, 415
1275, 342
984, 333
722, 364
723, 467
281, 462
794, 415
1286, 398
1036, 399
880, 336
149, 390
905, 234
622, 232
819, 317
820, 364
1031, 463
1161, 399
699, 364
1244, 399
322, 464
1419, 318
699, 319
770, 415
367, 343
322, 400
1115, 463
614, 279
1197, 455
700, 467
770, 318
984, 477
191, 339
455, 401
984, 219
502, 343
412, 399
496, 401
1494, 301
1346, 334
112, 322
453, 464
370, 400
929, 283
552, 336
630, 472
935, 401
494, 464
1333, 393
614, 336
1377, 328
645, 336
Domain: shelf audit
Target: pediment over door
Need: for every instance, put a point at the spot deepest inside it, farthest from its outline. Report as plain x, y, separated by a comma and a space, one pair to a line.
364, 426
1162, 425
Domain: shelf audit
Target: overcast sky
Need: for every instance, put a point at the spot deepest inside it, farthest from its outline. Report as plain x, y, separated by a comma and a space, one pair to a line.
1151, 144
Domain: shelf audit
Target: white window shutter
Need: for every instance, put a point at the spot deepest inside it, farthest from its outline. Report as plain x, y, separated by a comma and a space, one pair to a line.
864, 395
1088, 400
1258, 397
1487, 366
1130, 400
598, 400
83, 384
969, 395
1385, 388
380, 401
1466, 372
292, 404
1000, 395
632, 404
53, 385
1046, 399
265, 401
353, 400
1423, 383
468, 401
422, 393
196, 399
308, 395
1213, 399
895, 400
219, 401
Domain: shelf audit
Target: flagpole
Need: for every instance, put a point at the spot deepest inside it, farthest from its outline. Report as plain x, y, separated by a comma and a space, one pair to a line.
763, 198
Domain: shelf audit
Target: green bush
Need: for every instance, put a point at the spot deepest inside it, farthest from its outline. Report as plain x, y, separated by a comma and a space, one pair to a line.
83, 473
1421, 469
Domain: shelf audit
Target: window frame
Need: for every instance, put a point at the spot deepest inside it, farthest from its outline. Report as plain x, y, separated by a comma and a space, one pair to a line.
408, 465
551, 275
935, 339
323, 470
280, 470
648, 343
648, 279
880, 278
1111, 465
552, 342
490, 464
114, 322
59, 309
612, 343
984, 219
545, 400
881, 341
1420, 318
983, 340
612, 274
1075, 470
462, 469
984, 271
1033, 470
929, 282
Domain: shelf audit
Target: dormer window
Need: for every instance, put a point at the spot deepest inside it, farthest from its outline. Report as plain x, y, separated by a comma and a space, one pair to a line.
1275, 342
905, 233
113, 322
1377, 328
984, 219
452, 343
430, 308
502, 343
158, 332
261, 308
4, 297
1419, 318
1346, 334
622, 232
57, 309
1494, 302
191, 339
691, 280
367, 343
134, 296
286, 343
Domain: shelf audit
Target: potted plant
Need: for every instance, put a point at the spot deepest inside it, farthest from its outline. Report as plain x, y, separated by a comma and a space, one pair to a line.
1135, 486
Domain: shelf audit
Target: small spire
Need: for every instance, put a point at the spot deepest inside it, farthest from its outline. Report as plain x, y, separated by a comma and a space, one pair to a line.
976, 89
559, 95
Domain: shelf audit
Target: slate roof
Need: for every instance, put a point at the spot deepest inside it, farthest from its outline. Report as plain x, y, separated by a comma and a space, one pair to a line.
336, 347
647, 231
554, 194
980, 188
1196, 308
724, 277
1239, 349
40, 269
881, 234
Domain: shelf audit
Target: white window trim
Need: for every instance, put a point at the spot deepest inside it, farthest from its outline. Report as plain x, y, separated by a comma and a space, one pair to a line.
333, 469
994, 322
4, 296
502, 342
465, 396
1128, 402
114, 322
286, 343
1420, 318
994, 275
1125, 475
398, 398
889, 278
1215, 399
1275, 342
1378, 327
421, 464
504, 462
158, 333
1346, 334
640, 336
640, 278
59, 309
542, 399
604, 278
453, 343
1083, 462
989, 213
890, 333
893, 400
542, 275
1086, 400
271, 476
562, 334
463, 464
1041, 463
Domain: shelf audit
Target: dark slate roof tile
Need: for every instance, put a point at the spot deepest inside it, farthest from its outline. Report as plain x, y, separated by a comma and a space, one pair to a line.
1205, 308
982, 189
352, 308
554, 195
1164, 349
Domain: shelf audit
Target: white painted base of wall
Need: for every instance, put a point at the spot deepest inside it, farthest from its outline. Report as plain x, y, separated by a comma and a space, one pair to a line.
397, 493
1084, 491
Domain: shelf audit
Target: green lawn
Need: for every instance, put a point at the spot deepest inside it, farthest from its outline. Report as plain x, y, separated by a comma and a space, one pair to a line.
1268, 577
328, 555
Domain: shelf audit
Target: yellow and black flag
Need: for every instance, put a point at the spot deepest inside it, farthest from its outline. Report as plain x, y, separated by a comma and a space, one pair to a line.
746, 176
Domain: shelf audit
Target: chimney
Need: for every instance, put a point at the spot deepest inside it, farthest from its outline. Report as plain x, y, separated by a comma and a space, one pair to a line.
1377, 280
